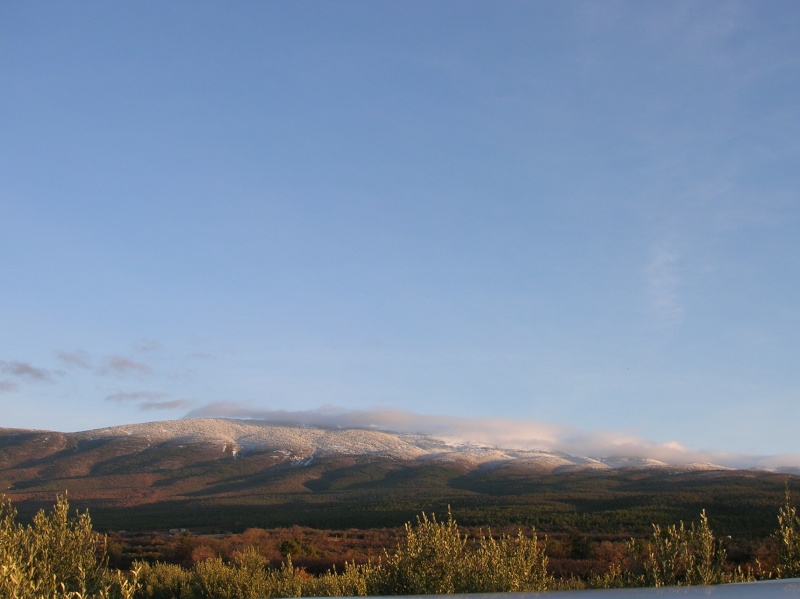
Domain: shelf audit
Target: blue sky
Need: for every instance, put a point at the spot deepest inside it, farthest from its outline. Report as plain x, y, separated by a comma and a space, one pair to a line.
579, 215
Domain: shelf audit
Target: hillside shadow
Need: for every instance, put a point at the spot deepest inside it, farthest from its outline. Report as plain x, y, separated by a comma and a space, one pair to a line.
269, 471
385, 475
71, 451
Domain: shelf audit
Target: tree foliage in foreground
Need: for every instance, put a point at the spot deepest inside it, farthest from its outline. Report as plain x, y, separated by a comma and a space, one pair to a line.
55, 557
787, 538
61, 557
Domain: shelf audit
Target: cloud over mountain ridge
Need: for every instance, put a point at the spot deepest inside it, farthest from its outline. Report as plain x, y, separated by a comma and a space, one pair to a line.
408, 436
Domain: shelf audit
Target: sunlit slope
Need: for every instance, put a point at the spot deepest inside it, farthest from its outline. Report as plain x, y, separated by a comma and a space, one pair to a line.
231, 473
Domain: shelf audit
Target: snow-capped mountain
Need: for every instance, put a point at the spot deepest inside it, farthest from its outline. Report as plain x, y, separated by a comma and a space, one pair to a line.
221, 472
243, 437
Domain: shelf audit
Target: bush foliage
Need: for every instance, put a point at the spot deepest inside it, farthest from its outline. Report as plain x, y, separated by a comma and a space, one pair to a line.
788, 541
60, 557
55, 557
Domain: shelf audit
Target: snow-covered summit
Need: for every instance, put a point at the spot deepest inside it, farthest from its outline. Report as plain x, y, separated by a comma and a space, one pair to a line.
240, 437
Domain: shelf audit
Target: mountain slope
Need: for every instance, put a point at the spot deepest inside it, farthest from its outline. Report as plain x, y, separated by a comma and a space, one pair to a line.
241, 437
232, 473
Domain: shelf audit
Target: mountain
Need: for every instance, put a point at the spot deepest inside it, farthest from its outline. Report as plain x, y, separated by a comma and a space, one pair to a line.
168, 445
220, 472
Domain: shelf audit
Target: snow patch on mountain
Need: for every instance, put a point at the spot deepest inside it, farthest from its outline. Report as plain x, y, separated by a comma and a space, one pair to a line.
306, 443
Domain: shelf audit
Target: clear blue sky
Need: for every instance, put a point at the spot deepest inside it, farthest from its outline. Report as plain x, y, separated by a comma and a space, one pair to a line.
582, 214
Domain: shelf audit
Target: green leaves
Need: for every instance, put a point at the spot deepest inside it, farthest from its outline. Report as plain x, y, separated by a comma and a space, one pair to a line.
429, 561
507, 564
787, 538
437, 559
56, 556
677, 556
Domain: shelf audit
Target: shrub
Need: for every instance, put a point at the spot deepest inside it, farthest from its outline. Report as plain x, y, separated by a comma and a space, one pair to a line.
50, 555
435, 558
510, 564
429, 561
290, 547
163, 581
677, 556
787, 538
357, 580
246, 578
56, 557
287, 581
60, 557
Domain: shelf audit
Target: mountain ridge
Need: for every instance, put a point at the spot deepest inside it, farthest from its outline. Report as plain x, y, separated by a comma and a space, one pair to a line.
213, 473
302, 442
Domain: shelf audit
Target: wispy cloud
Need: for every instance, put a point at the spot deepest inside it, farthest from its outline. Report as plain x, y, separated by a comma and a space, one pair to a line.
123, 365
498, 432
146, 401
136, 396
116, 364
23, 370
173, 404
7, 386
148, 345
75, 359
663, 282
